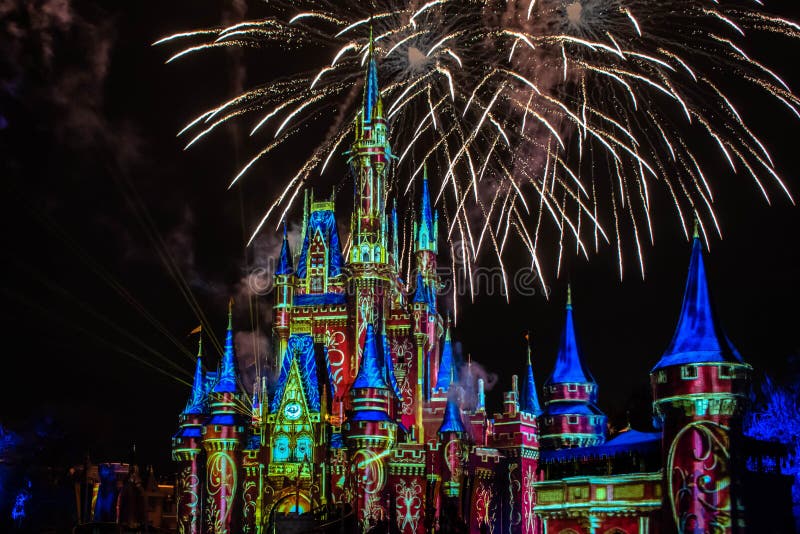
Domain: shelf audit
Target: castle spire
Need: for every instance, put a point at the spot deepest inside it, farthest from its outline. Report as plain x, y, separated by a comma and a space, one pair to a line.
196, 403
372, 105
446, 375
228, 375
698, 337
569, 364
426, 232
451, 421
370, 372
370, 160
285, 266
530, 399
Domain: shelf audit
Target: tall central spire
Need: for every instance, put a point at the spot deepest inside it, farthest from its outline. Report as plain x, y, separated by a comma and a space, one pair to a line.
371, 103
370, 160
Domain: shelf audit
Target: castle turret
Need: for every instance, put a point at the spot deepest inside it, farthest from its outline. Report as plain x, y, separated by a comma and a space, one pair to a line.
223, 434
530, 399
284, 296
370, 432
515, 433
370, 159
446, 372
186, 451
699, 391
454, 447
571, 417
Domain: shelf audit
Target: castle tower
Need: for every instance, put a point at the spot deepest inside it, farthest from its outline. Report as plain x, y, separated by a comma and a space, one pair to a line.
571, 417
515, 434
530, 399
454, 450
425, 250
284, 296
699, 390
222, 443
186, 451
371, 433
295, 432
441, 384
252, 460
370, 158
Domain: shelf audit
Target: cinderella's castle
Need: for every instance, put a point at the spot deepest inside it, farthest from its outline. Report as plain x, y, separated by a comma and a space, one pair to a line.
365, 427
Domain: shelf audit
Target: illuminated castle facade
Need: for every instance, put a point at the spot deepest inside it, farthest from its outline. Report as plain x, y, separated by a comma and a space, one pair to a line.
365, 424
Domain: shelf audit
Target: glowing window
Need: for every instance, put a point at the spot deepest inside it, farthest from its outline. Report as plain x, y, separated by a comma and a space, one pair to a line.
572, 419
280, 449
316, 284
572, 387
725, 372
303, 449
688, 372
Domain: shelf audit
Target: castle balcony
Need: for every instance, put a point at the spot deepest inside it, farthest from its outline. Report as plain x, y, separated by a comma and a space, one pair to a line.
625, 502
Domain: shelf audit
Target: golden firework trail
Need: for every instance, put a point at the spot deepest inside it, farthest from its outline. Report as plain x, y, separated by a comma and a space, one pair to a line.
541, 120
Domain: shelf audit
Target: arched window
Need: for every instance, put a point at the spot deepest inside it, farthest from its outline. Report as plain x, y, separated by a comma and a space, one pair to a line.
280, 448
303, 449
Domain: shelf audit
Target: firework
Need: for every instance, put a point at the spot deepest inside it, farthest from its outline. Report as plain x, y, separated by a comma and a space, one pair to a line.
544, 121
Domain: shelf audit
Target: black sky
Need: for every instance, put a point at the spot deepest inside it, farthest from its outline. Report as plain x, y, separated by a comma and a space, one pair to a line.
88, 116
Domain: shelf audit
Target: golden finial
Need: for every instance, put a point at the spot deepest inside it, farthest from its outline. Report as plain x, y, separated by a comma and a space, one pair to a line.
528, 341
569, 296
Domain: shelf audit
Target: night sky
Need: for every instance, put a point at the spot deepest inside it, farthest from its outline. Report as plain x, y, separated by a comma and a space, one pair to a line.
93, 176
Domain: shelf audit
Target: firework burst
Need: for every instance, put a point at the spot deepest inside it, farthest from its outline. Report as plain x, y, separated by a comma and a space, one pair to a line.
542, 120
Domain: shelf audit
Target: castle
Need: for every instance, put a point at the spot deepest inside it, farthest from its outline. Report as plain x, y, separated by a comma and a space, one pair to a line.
365, 424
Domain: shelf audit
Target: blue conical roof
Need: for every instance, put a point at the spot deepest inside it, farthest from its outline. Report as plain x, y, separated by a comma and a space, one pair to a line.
196, 403
698, 337
569, 364
285, 264
447, 363
530, 399
228, 375
371, 371
451, 422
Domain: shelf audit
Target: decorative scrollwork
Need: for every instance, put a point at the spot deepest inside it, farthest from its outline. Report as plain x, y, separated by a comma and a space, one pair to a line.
484, 506
699, 480
334, 341
188, 501
221, 484
409, 504
528, 500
